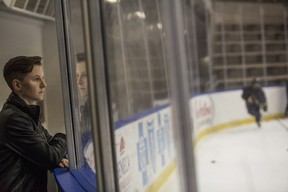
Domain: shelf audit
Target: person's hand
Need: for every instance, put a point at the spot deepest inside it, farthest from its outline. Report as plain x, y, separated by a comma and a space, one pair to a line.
250, 100
64, 163
89, 156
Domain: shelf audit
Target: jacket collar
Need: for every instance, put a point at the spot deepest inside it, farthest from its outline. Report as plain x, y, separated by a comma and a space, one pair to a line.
32, 110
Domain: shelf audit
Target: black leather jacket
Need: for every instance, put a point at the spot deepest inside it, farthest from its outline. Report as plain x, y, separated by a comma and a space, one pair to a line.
27, 150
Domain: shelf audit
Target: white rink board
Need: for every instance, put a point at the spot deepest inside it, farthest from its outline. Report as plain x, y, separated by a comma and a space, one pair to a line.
218, 108
145, 151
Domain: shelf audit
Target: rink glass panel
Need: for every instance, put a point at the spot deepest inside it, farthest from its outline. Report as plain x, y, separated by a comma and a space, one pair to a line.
223, 51
82, 145
139, 91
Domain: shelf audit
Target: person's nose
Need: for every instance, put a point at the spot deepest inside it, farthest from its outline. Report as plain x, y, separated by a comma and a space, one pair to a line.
79, 80
43, 84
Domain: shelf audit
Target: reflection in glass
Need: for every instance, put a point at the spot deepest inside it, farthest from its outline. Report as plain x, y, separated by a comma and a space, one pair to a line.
85, 164
135, 56
85, 116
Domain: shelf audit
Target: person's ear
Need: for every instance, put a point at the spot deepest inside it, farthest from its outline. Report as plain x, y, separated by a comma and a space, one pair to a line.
16, 84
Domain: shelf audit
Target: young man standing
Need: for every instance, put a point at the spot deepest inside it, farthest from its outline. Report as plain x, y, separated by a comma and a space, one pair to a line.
27, 150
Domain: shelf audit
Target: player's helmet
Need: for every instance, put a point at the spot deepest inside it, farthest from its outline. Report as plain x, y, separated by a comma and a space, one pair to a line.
256, 81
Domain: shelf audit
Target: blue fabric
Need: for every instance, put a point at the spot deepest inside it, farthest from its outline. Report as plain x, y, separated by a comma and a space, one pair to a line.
66, 181
80, 180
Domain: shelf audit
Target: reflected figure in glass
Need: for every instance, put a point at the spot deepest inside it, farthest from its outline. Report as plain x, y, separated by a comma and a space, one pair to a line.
85, 116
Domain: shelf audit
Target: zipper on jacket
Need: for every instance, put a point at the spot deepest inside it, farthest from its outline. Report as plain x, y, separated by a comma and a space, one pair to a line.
19, 183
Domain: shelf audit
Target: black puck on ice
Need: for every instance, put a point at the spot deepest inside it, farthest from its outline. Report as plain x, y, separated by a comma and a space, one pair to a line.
213, 161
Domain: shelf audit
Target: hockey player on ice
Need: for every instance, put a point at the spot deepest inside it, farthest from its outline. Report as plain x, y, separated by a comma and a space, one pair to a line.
255, 99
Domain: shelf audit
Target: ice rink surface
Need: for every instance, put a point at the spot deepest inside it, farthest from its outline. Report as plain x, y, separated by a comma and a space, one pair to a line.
244, 159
